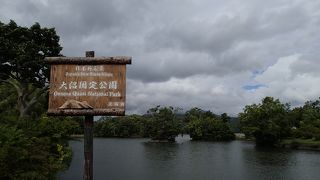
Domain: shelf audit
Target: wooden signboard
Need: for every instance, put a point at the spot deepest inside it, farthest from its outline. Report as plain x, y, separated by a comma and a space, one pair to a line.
87, 85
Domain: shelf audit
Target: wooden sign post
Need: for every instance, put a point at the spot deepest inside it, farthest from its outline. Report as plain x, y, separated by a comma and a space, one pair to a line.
88, 141
87, 86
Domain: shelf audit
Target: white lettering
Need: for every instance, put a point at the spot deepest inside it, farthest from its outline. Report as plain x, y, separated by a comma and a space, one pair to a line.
79, 93
93, 85
89, 68
113, 94
56, 93
73, 85
103, 85
63, 85
83, 85
115, 104
113, 85
88, 74
91, 93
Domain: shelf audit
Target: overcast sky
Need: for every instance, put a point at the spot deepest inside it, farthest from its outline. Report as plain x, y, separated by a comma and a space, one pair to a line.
213, 54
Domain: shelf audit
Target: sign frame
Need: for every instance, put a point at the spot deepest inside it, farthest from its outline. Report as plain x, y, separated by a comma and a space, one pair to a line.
117, 61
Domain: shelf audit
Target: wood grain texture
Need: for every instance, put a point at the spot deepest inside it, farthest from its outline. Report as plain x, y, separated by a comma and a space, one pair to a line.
103, 87
86, 112
89, 60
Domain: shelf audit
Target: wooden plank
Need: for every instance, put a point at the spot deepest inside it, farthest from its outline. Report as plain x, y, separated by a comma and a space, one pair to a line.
89, 60
87, 112
102, 87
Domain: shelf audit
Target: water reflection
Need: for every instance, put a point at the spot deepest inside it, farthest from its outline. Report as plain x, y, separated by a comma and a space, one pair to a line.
268, 162
273, 156
194, 160
160, 151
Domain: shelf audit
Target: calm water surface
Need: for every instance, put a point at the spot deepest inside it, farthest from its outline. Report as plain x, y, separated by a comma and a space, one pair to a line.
136, 159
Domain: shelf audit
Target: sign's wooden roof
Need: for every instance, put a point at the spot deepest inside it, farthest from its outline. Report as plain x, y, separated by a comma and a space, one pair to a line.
89, 60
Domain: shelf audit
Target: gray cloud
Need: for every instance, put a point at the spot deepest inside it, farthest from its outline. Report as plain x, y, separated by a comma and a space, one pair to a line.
191, 53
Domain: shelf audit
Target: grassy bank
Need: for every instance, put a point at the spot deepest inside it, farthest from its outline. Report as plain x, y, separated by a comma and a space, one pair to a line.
309, 144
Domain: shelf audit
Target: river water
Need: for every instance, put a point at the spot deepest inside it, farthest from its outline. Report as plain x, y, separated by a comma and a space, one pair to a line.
138, 159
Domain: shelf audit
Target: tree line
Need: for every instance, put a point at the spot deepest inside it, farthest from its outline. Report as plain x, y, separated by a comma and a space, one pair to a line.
267, 123
271, 121
165, 123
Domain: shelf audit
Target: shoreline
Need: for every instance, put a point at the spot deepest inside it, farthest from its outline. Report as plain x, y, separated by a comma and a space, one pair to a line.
294, 144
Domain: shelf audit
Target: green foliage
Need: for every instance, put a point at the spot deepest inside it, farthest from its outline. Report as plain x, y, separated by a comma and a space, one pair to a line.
234, 124
267, 122
76, 125
126, 126
301, 143
224, 117
8, 104
164, 126
198, 113
271, 121
306, 120
57, 128
32, 146
204, 125
23, 49
29, 98
33, 153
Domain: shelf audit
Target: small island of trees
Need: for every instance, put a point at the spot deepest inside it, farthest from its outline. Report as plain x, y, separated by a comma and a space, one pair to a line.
163, 124
272, 123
